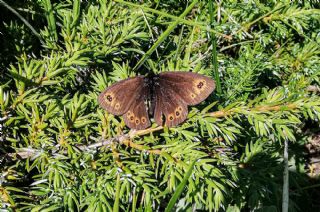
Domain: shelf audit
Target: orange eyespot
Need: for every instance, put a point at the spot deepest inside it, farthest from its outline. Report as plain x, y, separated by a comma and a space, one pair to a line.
137, 121
143, 120
180, 108
131, 118
193, 96
170, 117
177, 113
109, 98
200, 85
117, 106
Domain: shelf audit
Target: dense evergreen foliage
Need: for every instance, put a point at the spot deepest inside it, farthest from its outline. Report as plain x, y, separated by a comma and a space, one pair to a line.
60, 151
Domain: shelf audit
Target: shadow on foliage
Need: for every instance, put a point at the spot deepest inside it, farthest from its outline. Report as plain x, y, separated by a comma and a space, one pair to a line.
260, 181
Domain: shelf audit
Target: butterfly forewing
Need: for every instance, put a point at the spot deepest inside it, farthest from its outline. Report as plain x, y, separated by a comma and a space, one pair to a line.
137, 115
118, 98
193, 88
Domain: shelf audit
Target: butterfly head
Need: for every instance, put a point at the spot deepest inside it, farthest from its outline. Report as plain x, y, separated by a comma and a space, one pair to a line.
151, 80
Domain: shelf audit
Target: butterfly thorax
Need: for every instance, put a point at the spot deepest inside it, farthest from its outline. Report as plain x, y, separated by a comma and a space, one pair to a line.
151, 83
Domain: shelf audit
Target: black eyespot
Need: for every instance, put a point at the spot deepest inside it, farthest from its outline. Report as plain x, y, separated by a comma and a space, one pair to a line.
131, 118
109, 98
177, 113
200, 85
137, 121
143, 120
171, 118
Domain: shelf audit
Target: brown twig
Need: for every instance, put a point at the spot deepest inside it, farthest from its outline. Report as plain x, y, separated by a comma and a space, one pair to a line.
313, 88
26, 153
126, 139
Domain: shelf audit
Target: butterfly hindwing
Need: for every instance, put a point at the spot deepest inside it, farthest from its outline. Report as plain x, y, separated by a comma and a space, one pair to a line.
137, 115
170, 108
118, 98
193, 88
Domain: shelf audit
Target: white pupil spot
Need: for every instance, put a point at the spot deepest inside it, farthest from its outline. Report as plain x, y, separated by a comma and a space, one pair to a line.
109, 98
200, 85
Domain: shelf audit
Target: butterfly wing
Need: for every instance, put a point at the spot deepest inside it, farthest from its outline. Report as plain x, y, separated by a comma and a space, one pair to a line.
118, 98
177, 90
137, 115
193, 88
169, 105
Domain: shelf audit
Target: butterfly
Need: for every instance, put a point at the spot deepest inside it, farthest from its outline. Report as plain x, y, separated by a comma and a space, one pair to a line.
165, 95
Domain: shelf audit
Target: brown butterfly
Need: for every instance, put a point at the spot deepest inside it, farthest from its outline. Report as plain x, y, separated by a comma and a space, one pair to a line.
166, 96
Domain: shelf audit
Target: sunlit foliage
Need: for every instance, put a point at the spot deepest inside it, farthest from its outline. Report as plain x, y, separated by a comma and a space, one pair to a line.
51, 127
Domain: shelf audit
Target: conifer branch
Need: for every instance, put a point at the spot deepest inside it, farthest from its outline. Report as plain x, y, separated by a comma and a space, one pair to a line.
126, 139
